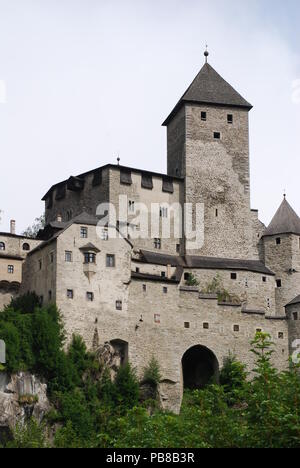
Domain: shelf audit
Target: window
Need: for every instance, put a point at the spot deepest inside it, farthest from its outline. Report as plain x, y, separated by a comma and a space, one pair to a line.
89, 257
110, 261
236, 328
203, 116
258, 330
157, 243
268, 303
83, 232
10, 269
165, 290
178, 248
295, 316
119, 305
69, 215
280, 336
70, 293
90, 296
246, 283
104, 234
157, 318
217, 135
51, 257
68, 256
144, 287
163, 212
230, 118
2, 246
278, 241
50, 295
26, 247
41, 300
279, 283
264, 279
147, 182
217, 212
137, 270
233, 276
206, 326
186, 276
40, 264
186, 324
131, 206
163, 274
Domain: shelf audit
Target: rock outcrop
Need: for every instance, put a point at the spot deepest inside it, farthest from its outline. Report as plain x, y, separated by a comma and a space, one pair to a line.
22, 396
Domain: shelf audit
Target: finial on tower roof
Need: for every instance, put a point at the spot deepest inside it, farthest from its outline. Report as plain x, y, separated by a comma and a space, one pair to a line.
284, 194
206, 53
118, 160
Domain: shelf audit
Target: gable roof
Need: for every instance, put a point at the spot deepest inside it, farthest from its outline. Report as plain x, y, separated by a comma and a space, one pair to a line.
294, 301
210, 88
285, 221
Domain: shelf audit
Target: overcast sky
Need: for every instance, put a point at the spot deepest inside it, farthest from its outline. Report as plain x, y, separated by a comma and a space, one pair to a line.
84, 80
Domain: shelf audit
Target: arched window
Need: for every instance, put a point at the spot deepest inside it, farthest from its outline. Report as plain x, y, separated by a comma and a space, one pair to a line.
26, 247
2, 246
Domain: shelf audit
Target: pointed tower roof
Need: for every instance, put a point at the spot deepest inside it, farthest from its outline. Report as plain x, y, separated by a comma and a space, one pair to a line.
210, 88
285, 221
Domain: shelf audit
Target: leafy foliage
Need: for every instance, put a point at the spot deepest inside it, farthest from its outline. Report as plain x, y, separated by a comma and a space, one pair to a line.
31, 231
152, 374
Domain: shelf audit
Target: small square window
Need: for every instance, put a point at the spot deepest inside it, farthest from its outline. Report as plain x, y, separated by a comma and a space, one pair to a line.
264, 279
217, 135
186, 276
90, 296
119, 305
83, 232
206, 326
278, 240
233, 276
157, 318
295, 316
230, 118
203, 116
110, 261
165, 290
279, 283
70, 293
187, 325
144, 287
137, 270
157, 243
280, 336
163, 274
68, 257
236, 328
104, 234
10, 269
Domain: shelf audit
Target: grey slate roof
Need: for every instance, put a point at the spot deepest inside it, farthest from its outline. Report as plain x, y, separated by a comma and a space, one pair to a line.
294, 301
209, 263
210, 88
285, 221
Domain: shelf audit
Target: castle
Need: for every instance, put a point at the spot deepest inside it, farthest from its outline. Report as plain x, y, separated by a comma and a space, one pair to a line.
189, 305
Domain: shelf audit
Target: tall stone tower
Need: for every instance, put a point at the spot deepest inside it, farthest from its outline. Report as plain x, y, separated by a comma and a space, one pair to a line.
281, 241
208, 145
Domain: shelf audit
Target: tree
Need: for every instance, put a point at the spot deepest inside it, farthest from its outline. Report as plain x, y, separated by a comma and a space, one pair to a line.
32, 231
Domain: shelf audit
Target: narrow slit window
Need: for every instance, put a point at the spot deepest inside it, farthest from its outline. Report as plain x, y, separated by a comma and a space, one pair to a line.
203, 116
230, 118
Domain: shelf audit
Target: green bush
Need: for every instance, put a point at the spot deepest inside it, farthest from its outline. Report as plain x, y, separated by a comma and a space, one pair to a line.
152, 374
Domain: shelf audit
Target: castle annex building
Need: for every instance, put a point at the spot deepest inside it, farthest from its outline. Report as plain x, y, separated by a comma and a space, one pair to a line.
189, 307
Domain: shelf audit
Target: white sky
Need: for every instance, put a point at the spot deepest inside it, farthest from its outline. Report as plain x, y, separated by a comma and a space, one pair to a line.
81, 80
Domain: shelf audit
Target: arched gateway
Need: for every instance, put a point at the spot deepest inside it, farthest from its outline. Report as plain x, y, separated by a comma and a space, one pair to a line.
199, 367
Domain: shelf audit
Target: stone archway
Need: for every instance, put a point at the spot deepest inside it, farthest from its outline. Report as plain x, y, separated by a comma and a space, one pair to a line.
199, 367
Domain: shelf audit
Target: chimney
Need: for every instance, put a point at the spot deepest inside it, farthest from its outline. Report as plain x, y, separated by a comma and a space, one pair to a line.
59, 218
13, 226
